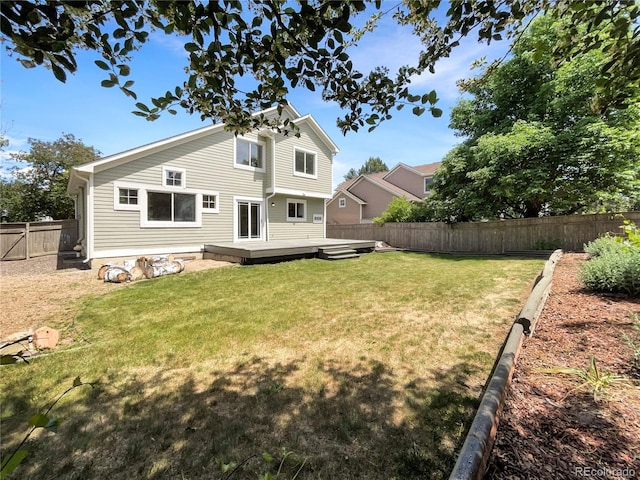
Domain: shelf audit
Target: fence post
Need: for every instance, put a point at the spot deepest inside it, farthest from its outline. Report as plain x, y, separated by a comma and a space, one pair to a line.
27, 252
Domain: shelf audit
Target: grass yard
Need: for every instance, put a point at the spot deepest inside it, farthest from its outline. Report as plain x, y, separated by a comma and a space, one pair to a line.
360, 369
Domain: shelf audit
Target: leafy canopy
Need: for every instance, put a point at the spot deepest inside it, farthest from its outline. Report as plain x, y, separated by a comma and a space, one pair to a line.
373, 165
538, 138
39, 189
280, 45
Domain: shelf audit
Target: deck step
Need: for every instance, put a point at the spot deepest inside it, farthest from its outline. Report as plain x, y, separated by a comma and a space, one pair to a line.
338, 252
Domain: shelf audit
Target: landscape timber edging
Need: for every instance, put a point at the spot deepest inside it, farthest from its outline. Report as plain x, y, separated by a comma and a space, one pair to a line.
475, 452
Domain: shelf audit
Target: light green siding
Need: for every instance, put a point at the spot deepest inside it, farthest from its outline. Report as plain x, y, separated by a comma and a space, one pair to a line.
282, 229
309, 141
207, 163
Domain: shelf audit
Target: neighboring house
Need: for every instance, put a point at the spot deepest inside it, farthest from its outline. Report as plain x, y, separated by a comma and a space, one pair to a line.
205, 186
362, 198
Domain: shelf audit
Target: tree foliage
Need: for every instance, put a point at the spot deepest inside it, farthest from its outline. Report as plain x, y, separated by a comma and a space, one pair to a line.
39, 189
373, 165
539, 141
279, 45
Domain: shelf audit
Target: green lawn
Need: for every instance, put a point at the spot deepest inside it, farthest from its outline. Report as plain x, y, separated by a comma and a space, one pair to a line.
370, 368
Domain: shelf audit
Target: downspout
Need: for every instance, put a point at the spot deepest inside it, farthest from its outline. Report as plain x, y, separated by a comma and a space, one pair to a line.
267, 205
88, 218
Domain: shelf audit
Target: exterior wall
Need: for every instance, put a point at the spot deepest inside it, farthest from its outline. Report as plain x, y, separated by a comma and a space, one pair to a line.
408, 181
377, 199
308, 141
282, 229
209, 165
346, 215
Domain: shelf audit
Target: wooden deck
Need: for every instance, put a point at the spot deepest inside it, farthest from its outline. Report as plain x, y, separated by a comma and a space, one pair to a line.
256, 252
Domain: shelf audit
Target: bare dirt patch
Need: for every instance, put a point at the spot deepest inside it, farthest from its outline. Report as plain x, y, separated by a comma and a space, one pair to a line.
551, 428
35, 293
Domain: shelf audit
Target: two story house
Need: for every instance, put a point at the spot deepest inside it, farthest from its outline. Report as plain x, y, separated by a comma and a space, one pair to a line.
362, 198
204, 186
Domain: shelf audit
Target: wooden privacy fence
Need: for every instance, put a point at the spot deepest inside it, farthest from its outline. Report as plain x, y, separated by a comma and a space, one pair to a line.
19, 241
546, 233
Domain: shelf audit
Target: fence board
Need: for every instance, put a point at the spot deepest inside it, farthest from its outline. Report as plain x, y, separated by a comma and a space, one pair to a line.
19, 241
569, 232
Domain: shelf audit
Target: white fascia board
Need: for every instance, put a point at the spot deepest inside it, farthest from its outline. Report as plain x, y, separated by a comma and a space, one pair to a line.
298, 193
318, 129
347, 193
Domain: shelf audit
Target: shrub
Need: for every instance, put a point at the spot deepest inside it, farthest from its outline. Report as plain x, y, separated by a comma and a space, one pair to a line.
603, 246
615, 271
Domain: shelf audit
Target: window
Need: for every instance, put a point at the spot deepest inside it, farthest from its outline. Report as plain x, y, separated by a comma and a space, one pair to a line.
304, 163
171, 207
127, 196
296, 210
209, 202
427, 184
173, 177
161, 206
342, 202
249, 154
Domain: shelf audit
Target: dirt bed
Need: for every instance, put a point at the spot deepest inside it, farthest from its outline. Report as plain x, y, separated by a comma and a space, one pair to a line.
36, 293
554, 428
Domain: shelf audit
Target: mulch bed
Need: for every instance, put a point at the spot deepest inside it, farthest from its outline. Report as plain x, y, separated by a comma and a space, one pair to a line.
551, 426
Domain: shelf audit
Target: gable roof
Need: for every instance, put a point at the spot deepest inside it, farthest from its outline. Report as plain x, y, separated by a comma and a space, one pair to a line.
160, 145
378, 180
425, 170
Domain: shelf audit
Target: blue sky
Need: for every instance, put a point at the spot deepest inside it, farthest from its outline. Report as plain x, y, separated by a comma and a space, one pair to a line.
35, 105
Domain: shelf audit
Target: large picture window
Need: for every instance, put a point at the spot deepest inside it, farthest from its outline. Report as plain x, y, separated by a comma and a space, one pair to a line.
171, 207
249, 154
304, 163
166, 207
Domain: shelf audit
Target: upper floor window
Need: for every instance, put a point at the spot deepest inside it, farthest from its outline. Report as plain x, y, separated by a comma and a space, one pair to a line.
249, 154
342, 202
427, 184
305, 163
173, 177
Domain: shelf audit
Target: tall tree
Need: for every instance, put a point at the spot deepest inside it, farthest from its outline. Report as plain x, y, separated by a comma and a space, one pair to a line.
39, 189
373, 165
538, 139
282, 44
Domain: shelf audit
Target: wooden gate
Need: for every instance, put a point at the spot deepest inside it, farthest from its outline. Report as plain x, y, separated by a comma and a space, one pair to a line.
19, 241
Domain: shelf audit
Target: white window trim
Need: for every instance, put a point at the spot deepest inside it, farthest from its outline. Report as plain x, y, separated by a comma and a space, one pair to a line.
297, 219
342, 202
236, 200
315, 163
210, 210
124, 206
169, 168
142, 205
252, 139
424, 182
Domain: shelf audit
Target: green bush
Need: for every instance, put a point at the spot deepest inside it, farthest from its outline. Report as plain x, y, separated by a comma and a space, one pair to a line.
603, 246
614, 270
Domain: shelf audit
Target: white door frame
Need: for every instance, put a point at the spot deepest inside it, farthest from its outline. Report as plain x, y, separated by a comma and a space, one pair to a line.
236, 218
